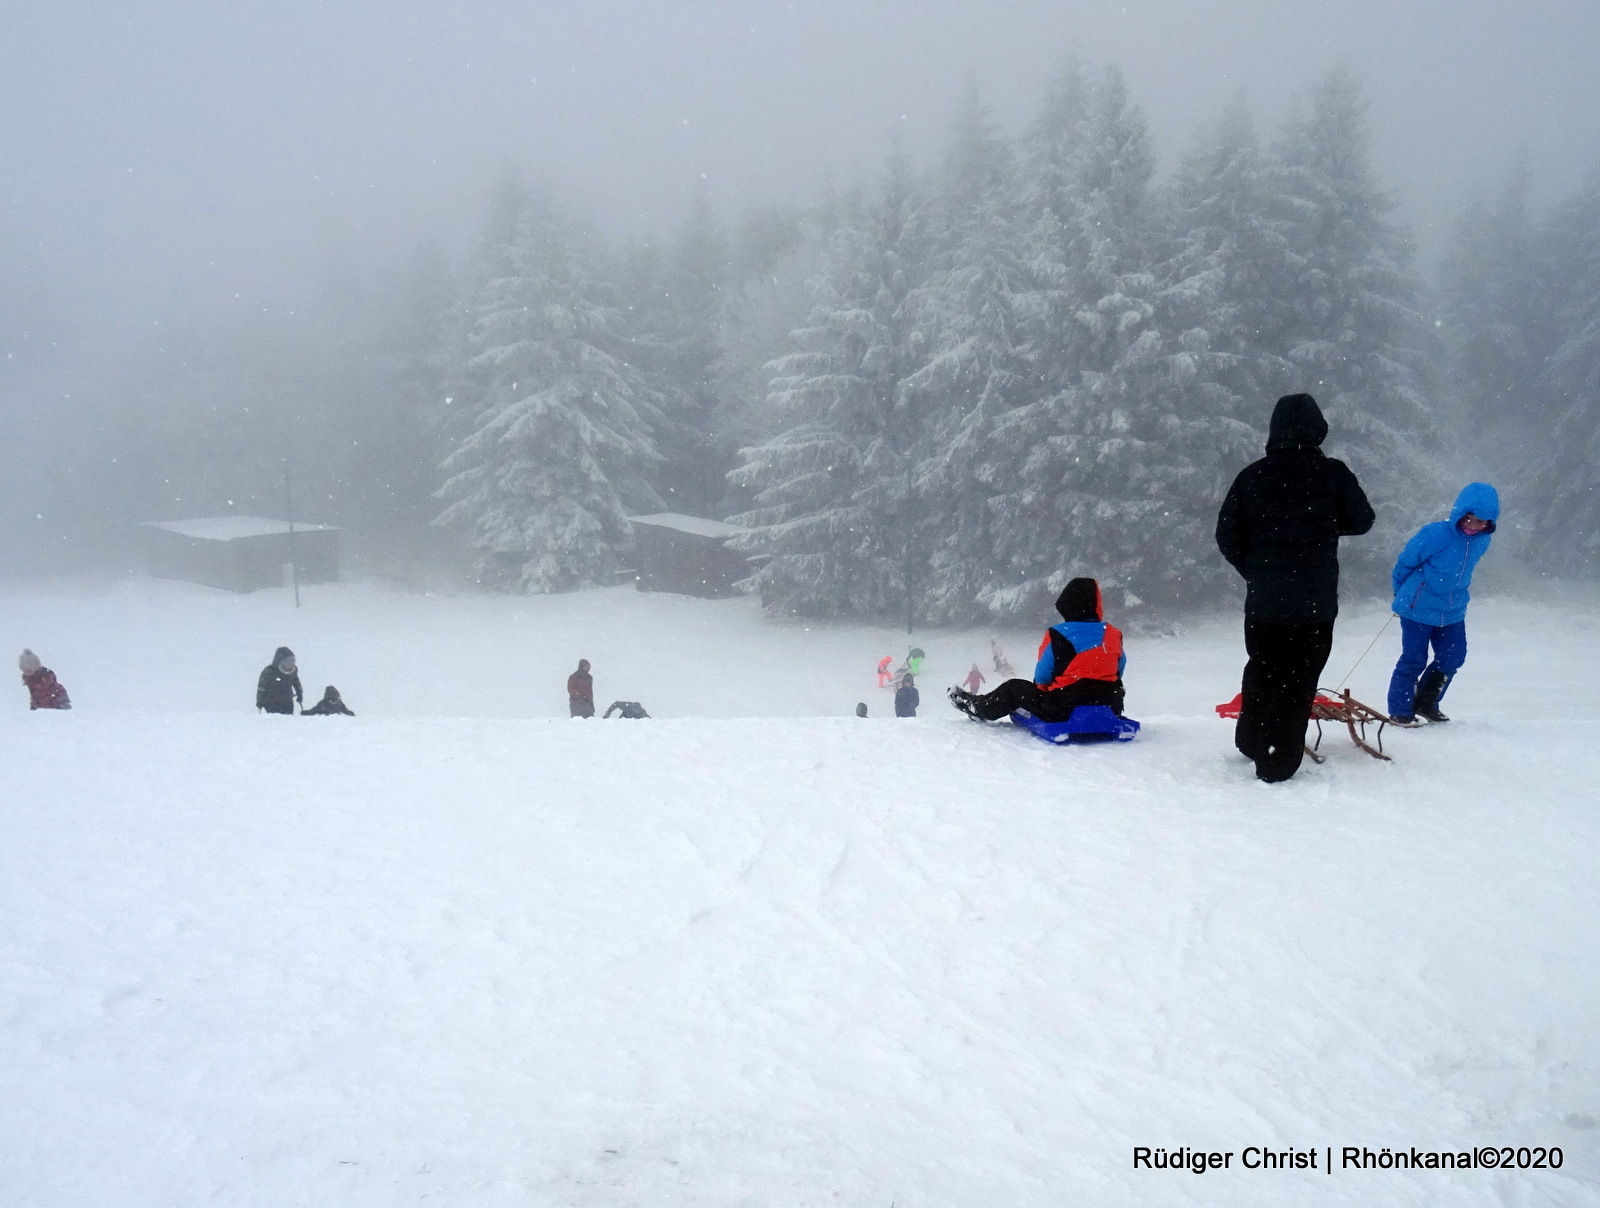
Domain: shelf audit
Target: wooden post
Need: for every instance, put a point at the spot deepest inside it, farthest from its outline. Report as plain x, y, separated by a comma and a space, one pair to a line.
294, 562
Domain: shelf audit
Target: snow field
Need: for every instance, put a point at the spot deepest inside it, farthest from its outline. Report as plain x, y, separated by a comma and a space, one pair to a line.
494, 958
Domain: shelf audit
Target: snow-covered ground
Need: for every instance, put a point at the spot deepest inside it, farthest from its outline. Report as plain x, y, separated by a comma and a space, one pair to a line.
463, 950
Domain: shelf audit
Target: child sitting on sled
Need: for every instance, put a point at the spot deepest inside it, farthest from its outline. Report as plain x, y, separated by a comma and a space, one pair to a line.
1080, 663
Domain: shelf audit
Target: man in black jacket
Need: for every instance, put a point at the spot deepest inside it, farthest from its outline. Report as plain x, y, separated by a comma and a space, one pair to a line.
1280, 527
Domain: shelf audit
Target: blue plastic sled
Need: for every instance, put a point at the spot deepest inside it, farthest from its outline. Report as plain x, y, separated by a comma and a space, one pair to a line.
1088, 723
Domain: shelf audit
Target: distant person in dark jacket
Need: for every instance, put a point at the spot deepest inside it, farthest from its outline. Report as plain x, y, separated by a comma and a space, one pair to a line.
630, 709
1279, 527
278, 687
44, 690
1080, 663
330, 704
580, 691
906, 697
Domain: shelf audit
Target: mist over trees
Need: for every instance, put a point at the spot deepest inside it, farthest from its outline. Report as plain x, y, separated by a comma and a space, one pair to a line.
934, 394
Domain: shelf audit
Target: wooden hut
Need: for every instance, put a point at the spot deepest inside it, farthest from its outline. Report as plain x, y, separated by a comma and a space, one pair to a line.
240, 553
687, 555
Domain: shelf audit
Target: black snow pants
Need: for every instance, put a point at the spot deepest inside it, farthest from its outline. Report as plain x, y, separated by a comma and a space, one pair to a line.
1280, 681
1054, 704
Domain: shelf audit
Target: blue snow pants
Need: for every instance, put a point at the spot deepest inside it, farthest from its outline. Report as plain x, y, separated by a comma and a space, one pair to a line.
1449, 644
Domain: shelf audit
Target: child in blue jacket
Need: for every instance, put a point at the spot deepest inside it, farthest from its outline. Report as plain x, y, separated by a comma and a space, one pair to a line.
1431, 591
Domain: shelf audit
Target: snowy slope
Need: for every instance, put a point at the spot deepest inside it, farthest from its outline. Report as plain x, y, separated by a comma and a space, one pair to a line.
458, 950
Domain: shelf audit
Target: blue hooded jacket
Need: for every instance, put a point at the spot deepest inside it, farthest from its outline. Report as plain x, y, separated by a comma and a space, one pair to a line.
1433, 576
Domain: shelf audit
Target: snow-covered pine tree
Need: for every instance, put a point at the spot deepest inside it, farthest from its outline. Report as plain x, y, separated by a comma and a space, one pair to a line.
1223, 258
977, 373
1350, 319
559, 446
1567, 523
838, 515
1090, 461
1500, 319
692, 478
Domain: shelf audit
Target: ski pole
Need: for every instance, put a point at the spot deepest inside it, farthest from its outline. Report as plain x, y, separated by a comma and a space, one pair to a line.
1364, 653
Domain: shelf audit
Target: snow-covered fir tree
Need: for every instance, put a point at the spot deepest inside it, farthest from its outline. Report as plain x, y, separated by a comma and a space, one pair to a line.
1567, 494
1501, 323
558, 445
838, 514
1089, 462
1350, 319
1223, 259
695, 457
978, 371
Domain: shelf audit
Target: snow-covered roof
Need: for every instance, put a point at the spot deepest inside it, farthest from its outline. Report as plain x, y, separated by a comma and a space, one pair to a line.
698, 525
227, 528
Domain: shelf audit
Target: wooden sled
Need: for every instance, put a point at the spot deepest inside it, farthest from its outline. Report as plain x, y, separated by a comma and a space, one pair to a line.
1341, 708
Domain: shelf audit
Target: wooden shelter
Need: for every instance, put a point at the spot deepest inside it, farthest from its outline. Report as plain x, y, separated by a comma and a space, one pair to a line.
687, 555
240, 553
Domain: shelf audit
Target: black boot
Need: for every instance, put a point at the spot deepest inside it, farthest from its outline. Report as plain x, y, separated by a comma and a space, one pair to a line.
1428, 693
963, 701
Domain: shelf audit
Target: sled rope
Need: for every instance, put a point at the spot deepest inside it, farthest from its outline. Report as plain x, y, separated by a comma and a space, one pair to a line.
1364, 654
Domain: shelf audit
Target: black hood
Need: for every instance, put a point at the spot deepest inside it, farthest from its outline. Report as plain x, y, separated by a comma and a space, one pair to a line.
283, 653
1296, 423
1080, 601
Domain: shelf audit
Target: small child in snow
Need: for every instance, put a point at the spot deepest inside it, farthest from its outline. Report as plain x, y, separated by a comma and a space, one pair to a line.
330, 704
1432, 580
629, 709
974, 680
907, 698
861, 708
44, 690
885, 676
912, 667
1002, 665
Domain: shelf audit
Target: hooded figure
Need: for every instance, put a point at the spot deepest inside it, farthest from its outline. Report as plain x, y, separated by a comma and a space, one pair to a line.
1432, 582
906, 697
44, 690
1281, 522
278, 687
1080, 663
330, 704
1279, 527
580, 691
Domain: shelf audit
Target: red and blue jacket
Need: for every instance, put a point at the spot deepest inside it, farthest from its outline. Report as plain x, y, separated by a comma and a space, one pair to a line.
1083, 646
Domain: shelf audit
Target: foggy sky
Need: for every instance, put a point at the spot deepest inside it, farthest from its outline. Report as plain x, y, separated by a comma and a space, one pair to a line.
160, 153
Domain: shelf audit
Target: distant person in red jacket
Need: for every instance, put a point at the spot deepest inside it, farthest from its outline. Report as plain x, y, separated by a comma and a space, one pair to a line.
44, 690
580, 691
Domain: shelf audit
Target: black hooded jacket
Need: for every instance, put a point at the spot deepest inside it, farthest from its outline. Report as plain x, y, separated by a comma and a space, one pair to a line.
275, 691
1280, 525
